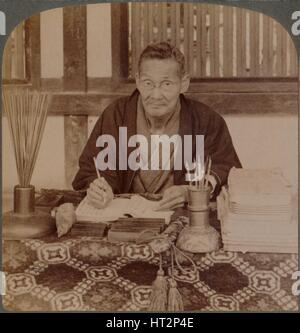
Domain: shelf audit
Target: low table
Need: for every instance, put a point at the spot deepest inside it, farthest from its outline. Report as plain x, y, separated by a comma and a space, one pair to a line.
90, 274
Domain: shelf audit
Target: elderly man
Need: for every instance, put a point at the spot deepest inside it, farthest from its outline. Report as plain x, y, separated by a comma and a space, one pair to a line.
157, 107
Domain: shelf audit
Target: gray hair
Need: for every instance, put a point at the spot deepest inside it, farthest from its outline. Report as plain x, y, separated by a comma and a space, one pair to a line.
163, 50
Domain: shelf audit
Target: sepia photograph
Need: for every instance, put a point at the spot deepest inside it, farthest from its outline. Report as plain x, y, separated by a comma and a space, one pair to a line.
150, 160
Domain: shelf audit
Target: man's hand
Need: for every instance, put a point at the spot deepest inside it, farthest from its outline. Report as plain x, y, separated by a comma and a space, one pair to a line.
99, 193
174, 197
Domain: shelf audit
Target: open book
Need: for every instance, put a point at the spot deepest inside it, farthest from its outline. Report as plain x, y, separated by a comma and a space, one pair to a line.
136, 206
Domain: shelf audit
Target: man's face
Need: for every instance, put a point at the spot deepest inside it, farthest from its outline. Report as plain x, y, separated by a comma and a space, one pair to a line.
159, 84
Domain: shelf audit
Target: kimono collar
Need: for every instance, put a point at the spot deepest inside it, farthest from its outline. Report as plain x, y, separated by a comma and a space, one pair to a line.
130, 120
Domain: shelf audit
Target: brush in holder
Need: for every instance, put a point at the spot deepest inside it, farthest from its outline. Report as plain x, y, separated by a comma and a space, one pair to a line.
198, 236
26, 112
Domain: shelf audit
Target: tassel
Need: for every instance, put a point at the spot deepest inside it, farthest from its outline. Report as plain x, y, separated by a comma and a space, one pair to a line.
175, 302
158, 300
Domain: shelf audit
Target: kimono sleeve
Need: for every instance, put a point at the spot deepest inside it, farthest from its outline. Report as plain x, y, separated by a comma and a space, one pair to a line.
219, 146
87, 173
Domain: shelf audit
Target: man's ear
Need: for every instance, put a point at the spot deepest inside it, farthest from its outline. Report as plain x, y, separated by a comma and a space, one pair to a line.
185, 83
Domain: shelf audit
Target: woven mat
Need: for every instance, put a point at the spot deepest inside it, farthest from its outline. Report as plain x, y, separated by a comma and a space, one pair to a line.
90, 274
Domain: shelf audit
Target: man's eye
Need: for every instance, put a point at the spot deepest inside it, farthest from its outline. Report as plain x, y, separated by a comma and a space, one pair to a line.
167, 84
147, 83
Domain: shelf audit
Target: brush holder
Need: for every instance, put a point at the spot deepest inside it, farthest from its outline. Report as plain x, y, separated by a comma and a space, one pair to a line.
23, 200
198, 201
25, 221
198, 236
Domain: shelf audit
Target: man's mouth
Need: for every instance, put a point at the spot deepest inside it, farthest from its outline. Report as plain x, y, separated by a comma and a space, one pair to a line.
157, 105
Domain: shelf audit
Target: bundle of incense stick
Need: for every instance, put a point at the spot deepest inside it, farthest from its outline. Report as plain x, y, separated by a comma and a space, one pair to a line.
202, 171
26, 114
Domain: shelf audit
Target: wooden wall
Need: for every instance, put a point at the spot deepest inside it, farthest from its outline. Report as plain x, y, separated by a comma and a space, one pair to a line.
76, 95
217, 41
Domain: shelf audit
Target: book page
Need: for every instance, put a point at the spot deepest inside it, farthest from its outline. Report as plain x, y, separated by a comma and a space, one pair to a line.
136, 206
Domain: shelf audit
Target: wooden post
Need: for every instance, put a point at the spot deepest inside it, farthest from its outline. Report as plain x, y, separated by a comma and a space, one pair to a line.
75, 128
267, 61
33, 50
164, 26
214, 40
7, 60
254, 44
19, 52
228, 41
281, 50
136, 34
119, 45
175, 24
75, 79
75, 58
149, 14
293, 72
188, 23
241, 15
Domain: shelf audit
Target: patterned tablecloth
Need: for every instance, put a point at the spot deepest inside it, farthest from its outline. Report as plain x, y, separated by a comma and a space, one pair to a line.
90, 274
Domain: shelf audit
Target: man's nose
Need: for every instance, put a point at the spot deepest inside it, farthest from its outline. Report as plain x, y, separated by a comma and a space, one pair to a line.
156, 92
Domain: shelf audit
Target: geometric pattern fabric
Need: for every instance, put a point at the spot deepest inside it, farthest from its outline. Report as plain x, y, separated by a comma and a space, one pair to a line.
91, 274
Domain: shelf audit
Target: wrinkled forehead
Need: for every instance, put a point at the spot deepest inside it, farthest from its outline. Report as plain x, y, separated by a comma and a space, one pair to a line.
160, 68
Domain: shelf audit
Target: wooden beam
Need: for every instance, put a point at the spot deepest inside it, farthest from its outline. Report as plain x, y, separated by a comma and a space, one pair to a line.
119, 45
107, 87
224, 96
93, 104
33, 50
52, 84
244, 86
81, 104
250, 104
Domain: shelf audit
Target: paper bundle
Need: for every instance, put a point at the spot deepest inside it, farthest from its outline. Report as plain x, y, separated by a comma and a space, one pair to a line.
258, 212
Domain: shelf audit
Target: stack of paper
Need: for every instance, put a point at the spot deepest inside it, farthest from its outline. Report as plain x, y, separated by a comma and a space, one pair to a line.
257, 212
